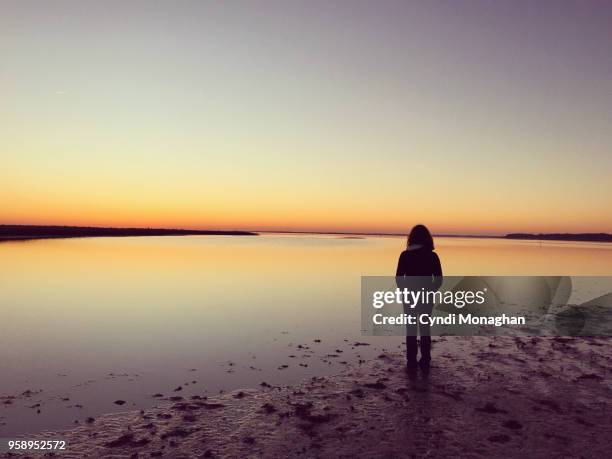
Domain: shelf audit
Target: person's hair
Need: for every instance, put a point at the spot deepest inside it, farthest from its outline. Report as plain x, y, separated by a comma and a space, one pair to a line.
420, 235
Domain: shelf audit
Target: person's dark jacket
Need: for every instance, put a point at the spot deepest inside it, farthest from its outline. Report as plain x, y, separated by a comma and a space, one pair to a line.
420, 262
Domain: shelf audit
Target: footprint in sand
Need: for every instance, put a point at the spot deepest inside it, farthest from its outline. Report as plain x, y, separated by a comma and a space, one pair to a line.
512, 424
491, 408
501, 438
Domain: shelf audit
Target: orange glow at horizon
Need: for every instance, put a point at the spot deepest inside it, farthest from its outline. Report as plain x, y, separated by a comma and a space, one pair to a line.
201, 117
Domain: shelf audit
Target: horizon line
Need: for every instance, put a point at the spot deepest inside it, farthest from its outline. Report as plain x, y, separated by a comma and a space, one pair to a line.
349, 233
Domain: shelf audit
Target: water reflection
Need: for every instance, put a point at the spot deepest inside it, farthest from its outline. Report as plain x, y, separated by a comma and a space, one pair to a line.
90, 321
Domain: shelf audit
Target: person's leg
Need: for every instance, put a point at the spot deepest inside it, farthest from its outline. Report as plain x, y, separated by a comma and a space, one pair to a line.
425, 343
411, 350
411, 341
425, 348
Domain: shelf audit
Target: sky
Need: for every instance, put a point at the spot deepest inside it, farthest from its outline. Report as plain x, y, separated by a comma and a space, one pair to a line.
472, 117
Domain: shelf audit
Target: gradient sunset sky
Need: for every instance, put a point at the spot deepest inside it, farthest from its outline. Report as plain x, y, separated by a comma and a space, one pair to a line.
478, 117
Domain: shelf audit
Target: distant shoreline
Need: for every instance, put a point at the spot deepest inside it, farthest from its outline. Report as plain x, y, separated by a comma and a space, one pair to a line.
29, 232
578, 237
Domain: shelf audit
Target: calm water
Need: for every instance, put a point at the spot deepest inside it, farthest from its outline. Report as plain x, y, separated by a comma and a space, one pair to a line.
86, 322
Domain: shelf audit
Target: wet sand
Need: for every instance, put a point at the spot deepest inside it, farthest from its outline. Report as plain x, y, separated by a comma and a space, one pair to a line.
485, 397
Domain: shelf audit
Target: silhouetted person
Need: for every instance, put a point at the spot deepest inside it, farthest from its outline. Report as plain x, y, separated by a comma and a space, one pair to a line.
419, 259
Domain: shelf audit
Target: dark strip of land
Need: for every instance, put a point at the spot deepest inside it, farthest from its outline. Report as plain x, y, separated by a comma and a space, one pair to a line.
24, 232
583, 237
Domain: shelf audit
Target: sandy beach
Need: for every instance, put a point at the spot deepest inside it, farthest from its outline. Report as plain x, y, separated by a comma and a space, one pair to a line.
485, 397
